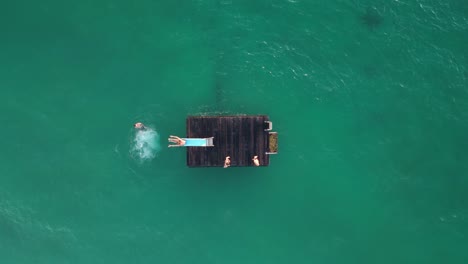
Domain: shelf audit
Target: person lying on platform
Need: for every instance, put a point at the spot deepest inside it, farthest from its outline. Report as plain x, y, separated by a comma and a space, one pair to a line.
255, 161
177, 140
227, 162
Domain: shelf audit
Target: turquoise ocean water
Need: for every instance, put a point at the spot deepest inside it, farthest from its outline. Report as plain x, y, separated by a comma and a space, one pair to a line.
370, 100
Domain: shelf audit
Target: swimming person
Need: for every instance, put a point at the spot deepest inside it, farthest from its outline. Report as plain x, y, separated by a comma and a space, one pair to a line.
227, 162
255, 161
139, 126
145, 143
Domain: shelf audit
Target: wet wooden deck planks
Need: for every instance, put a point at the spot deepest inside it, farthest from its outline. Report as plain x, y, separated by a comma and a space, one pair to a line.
240, 137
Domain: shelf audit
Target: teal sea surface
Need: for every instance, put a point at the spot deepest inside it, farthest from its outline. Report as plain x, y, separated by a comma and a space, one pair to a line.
369, 98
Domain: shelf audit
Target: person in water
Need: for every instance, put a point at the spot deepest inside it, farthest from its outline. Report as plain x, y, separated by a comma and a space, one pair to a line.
177, 140
227, 162
139, 126
255, 161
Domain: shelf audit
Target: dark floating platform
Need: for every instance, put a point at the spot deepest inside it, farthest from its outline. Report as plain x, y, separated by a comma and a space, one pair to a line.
241, 137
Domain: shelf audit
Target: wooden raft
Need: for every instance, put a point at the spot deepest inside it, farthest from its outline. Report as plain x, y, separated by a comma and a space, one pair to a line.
240, 137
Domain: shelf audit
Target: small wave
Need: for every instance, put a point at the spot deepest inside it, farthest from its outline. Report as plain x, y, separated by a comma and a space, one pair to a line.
145, 145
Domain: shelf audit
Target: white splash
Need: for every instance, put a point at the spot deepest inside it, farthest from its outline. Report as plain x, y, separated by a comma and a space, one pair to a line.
145, 145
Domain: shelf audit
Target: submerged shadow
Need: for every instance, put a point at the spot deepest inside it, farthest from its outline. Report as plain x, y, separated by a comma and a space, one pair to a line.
371, 18
219, 94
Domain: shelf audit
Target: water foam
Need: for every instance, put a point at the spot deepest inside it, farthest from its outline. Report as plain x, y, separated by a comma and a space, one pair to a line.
145, 145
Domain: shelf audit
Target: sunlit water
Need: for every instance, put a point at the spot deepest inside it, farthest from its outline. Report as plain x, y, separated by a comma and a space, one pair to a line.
369, 99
